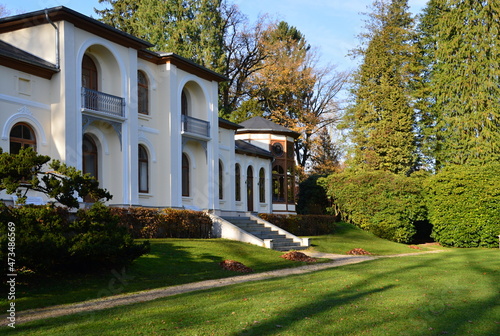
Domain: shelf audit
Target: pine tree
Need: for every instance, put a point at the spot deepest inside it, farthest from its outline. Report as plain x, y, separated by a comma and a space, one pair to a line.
382, 119
460, 94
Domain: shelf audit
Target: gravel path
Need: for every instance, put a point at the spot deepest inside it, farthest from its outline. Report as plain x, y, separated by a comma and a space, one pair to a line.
148, 295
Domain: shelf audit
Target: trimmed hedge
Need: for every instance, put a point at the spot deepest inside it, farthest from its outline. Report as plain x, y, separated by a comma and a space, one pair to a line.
312, 198
302, 225
386, 204
47, 240
164, 223
464, 205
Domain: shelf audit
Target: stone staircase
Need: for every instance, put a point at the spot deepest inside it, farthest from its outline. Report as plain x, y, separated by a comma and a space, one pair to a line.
279, 241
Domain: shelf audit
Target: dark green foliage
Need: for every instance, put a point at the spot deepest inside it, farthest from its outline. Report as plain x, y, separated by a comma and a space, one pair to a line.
49, 239
312, 198
25, 171
302, 225
386, 204
459, 105
382, 119
100, 242
165, 223
464, 205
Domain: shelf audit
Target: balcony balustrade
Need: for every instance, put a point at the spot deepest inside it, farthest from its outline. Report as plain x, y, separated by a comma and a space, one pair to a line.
195, 126
103, 102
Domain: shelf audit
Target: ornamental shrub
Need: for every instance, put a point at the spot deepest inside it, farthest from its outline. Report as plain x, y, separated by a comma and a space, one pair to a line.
386, 204
302, 225
464, 205
48, 239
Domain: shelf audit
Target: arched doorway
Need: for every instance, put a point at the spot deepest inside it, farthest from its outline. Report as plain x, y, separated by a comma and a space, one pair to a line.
250, 188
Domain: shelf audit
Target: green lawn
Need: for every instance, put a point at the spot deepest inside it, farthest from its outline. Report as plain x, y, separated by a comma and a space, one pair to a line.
348, 237
455, 292
171, 262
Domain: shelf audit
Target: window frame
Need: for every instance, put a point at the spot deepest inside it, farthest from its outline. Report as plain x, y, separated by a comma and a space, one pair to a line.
143, 169
23, 141
142, 93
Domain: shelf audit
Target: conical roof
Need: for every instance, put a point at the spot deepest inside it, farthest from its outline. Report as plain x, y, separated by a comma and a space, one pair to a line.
263, 125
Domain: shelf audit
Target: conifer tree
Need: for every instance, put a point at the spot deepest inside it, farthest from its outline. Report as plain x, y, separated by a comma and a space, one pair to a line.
460, 93
381, 119
192, 29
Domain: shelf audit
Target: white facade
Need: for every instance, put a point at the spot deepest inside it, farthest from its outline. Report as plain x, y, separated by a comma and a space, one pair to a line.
88, 116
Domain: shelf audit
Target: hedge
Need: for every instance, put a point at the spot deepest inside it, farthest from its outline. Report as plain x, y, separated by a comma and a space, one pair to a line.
386, 204
464, 205
302, 225
164, 223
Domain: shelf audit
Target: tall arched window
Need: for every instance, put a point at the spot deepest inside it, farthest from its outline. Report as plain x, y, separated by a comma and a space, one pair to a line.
143, 92
237, 176
89, 73
262, 186
184, 104
143, 170
250, 188
278, 184
185, 175
90, 156
221, 180
21, 135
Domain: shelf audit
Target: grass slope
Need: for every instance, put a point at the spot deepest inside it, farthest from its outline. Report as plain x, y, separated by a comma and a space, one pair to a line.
171, 262
451, 293
348, 237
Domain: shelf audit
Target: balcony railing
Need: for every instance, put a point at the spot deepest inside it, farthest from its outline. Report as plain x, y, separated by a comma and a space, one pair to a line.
103, 102
195, 126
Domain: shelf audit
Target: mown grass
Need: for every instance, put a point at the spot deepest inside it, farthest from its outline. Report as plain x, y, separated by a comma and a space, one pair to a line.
171, 262
348, 237
455, 292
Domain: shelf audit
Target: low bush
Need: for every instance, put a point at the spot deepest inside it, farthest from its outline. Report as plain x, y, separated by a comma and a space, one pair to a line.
46, 240
165, 223
464, 205
386, 204
302, 225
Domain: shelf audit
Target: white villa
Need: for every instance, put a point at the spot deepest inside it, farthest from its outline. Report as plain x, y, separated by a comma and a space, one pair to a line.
144, 123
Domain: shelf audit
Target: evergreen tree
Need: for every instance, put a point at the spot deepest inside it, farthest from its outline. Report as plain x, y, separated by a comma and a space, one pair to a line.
459, 96
192, 29
382, 120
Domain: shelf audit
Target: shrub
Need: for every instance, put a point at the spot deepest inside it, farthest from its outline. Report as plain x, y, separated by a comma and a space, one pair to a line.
47, 240
312, 198
165, 223
386, 204
302, 225
464, 205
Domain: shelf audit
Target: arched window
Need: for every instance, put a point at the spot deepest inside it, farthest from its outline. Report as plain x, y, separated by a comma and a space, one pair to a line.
250, 188
143, 92
185, 175
184, 104
221, 180
278, 184
237, 176
143, 170
21, 135
89, 73
90, 156
262, 186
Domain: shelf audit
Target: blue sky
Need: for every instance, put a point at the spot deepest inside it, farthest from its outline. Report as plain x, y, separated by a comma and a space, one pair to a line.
329, 25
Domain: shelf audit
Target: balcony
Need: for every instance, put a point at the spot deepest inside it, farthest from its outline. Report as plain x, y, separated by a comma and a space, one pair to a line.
195, 127
103, 103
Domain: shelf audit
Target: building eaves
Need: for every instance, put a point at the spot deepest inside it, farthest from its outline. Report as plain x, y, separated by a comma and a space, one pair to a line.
243, 147
224, 123
15, 58
81, 21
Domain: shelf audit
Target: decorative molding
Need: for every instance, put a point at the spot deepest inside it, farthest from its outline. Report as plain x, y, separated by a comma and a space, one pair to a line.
148, 130
24, 114
22, 101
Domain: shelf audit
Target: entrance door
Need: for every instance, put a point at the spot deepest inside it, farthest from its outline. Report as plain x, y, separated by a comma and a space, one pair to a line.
250, 188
